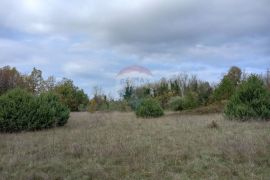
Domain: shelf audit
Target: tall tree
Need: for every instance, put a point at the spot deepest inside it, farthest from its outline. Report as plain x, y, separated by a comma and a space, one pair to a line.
182, 81
71, 95
128, 91
49, 84
35, 81
228, 84
10, 78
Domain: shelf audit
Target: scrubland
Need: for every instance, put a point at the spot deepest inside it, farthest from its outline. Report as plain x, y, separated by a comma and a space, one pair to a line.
120, 146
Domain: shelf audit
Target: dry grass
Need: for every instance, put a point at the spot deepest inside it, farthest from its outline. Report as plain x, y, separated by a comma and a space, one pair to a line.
120, 146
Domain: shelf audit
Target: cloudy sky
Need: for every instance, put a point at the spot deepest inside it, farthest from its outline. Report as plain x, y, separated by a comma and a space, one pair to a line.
90, 41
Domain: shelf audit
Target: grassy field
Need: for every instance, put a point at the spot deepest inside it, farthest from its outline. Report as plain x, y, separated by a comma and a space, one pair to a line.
120, 146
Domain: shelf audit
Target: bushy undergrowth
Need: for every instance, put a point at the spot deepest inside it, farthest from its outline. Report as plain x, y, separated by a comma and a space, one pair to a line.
107, 106
60, 113
178, 103
209, 109
149, 108
21, 111
191, 101
250, 101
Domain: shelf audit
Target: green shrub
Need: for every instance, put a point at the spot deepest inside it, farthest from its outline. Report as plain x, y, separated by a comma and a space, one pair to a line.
21, 111
176, 103
70, 95
149, 108
250, 101
15, 108
191, 101
225, 90
60, 112
228, 85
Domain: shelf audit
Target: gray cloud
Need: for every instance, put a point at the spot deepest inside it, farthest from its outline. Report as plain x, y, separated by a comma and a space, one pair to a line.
99, 35
175, 28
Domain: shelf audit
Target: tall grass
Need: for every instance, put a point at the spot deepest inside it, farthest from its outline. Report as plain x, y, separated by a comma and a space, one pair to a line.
120, 146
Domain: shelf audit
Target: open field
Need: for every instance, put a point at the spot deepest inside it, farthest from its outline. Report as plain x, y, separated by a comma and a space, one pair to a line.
120, 146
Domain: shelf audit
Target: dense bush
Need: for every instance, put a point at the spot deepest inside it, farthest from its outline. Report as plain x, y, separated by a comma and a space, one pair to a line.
15, 108
225, 90
228, 85
189, 101
19, 111
70, 95
176, 103
149, 108
250, 101
60, 113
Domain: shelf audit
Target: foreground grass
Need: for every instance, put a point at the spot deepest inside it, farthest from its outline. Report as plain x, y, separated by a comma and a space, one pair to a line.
120, 146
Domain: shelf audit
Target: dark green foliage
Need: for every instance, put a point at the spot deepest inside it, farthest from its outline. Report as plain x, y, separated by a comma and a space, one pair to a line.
250, 101
70, 95
267, 79
191, 101
128, 91
149, 108
19, 111
224, 90
175, 87
15, 108
204, 92
60, 113
228, 84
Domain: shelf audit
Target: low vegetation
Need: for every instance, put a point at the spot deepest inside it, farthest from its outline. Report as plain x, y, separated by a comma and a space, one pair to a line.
37, 103
149, 108
121, 146
186, 143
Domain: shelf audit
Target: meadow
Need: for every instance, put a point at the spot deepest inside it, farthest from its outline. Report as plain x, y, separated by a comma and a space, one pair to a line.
118, 145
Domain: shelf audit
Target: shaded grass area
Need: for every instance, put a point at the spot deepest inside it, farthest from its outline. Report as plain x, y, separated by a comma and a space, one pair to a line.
215, 108
120, 146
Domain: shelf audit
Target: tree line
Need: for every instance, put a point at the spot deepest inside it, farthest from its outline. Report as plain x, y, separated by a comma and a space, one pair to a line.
180, 92
70, 95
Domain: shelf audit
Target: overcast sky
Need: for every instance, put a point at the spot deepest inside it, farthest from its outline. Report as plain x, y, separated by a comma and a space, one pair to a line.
90, 41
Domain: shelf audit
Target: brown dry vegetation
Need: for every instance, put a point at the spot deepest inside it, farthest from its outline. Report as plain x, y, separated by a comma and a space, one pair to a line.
120, 146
